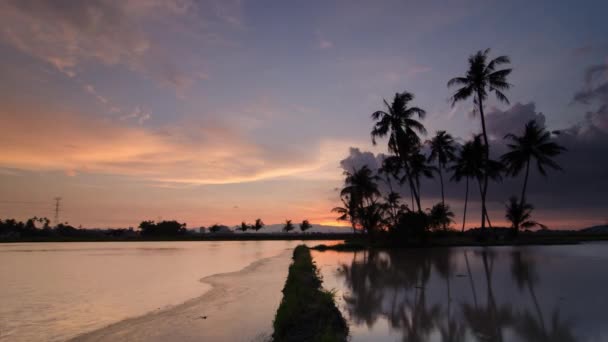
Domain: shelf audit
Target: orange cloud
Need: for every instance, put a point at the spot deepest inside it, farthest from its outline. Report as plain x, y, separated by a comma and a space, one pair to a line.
203, 153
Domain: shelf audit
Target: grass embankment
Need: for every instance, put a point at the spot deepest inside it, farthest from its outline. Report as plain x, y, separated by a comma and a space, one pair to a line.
307, 312
457, 239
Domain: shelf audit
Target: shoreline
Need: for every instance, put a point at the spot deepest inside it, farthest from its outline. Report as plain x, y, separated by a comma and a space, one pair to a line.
214, 314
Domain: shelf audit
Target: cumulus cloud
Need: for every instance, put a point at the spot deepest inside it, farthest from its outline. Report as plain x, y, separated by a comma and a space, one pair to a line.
499, 123
595, 92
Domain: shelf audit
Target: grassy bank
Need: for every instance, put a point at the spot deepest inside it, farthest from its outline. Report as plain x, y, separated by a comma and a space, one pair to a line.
463, 240
307, 312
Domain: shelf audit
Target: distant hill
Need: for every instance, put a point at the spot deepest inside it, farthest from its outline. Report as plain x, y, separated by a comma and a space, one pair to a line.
601, 229
316, 228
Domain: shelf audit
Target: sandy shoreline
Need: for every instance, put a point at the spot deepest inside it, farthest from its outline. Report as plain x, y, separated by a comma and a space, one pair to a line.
239, 307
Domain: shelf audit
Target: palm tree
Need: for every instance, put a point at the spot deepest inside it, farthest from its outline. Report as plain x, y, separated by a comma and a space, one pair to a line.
441, 216
305, 225
398, 122
243, 227
481, 79
288, 226
361, 185
465, 166
419, 167
442, 150
519, 214
347, 211
259, 224
534, 144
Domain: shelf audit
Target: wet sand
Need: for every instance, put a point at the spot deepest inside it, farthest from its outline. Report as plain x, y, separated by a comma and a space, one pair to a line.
240, 307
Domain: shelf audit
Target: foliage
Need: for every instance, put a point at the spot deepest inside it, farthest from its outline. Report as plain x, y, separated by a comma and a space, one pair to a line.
440, 216
288, 226
162, 228
259, 224
520, 215
307, 312
305, 225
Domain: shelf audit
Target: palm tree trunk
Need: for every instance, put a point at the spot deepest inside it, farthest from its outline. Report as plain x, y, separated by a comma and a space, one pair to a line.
466, 200
523, 191
486, 211
487, 157
441, 181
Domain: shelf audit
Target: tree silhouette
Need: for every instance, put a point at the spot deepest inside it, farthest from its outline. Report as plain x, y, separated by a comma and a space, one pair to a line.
399, 124
442, 150
259, 224
466, 165
243, 227
288, 226
440, 216
534, 144
305, 225
519, 214
481, 79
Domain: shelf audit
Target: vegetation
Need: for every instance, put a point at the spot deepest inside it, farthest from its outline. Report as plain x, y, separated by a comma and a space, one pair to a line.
288, 226
482, 78
305, 225
377, 212
307, 312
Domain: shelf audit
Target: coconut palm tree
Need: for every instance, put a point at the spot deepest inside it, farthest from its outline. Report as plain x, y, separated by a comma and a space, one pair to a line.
465, 166
361, 185
441, 216
305, 225
519, 214
347, 211
243, 227
442, 150
481, 79
259, 224
288, 226
418, 167
399, 123
360, 197
534, 144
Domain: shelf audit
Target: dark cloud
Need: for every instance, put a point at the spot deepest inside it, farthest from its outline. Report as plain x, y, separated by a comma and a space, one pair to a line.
595, 92
499, 123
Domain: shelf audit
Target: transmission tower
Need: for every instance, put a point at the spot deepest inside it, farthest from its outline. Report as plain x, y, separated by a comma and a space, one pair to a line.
57, 209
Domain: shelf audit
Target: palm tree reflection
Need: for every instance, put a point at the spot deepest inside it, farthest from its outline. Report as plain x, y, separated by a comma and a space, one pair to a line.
399, 286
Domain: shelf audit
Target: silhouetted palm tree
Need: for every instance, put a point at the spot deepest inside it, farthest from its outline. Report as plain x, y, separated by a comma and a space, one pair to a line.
361, 185
305, 225
481, 79
243, 227
441, 216
534, 144
442, 150
288, 226
347, 211
519, 214
259, 224
419, 167
465, 166
399, 124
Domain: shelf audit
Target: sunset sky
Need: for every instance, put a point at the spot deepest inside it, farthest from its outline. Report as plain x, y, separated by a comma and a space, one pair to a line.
222, 111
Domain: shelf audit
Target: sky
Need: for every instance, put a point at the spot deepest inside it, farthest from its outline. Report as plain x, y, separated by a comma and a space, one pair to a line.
221, 111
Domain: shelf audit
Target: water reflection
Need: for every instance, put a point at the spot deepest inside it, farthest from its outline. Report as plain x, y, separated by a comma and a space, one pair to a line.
412, 292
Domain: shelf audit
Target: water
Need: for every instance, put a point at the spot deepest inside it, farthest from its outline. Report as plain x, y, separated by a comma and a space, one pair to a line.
540, 293
55, 291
